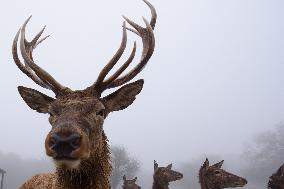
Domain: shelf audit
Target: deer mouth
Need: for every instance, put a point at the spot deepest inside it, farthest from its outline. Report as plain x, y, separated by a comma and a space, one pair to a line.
66, 162
65, 158
241, 182
178, 177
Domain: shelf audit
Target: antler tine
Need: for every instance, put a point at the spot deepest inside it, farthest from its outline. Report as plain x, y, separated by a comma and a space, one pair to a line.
40, 41
153, 18
148, 40
133, 31
121, 69
154, 14
114, 59
32, 45
25, 70
26, 51
36, 38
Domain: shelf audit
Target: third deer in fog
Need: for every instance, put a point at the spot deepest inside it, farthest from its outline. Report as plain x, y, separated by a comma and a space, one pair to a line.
213, 177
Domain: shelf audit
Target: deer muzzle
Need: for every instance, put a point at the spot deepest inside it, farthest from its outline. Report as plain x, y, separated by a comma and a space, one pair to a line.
67, 146
63, 146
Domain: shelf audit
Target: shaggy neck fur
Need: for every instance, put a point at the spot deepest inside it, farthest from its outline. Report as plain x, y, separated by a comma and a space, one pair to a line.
160, 185
272, 184
203, 183
201, 180
93, 173
206, 186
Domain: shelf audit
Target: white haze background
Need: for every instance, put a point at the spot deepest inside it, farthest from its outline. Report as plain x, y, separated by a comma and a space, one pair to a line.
215, 81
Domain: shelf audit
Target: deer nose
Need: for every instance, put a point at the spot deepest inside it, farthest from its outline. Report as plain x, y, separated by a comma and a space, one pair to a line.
244, 181
180, 176
63, 146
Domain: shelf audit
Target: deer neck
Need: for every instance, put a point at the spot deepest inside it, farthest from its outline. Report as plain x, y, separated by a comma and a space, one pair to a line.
93, 173
272, 185
205, 185
160, 185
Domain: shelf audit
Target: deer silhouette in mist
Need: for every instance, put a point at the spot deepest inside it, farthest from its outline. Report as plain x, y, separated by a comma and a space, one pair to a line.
164, 175
130, 184
213, 177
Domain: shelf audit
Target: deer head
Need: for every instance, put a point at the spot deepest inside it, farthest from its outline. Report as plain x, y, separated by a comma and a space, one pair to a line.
130, 184
164, 175
77, 116
213, 177
276, 181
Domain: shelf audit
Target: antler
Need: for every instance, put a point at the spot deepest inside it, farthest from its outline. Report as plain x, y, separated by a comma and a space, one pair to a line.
148, 40
44, 79
32, 70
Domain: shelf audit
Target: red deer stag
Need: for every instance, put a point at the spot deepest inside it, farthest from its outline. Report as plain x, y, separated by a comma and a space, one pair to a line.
130, 184
276, 181
164, 175
213, 177
77, 142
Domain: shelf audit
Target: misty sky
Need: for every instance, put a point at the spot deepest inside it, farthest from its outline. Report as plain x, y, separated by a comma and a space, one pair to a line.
216, 78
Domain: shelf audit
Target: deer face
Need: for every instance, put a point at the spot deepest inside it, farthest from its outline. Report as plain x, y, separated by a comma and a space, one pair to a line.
215, 177
76, 130
77, 120
130, 184
77, 117
165, 174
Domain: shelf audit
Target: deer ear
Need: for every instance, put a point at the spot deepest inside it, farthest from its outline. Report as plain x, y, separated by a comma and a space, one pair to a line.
206, 163
35, 99
218, 165
170, 166
123, 97
155, 165
124, 177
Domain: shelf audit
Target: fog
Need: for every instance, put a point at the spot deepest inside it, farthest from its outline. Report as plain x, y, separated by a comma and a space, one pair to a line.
257, 163
215, 80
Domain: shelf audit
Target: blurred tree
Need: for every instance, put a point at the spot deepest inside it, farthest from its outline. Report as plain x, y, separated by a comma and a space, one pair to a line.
264, 156
122, 164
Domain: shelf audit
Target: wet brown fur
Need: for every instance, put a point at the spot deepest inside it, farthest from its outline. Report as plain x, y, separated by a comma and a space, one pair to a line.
130, 184
163, 176
78, 112
93, 172
77, 142
276, 181
213, 177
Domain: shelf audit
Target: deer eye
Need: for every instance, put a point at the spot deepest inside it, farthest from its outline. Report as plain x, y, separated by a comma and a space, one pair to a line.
101, 113
217, 172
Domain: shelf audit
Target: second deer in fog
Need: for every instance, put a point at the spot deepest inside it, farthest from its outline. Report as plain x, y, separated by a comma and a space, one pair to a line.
164, 175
